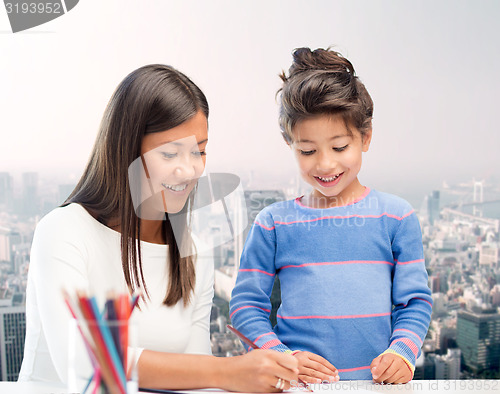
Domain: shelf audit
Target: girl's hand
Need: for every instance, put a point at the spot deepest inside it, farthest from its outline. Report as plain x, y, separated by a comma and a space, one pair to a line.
390, 368
315, 369
259, 371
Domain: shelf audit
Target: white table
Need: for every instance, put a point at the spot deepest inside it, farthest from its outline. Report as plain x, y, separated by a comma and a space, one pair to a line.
359, 386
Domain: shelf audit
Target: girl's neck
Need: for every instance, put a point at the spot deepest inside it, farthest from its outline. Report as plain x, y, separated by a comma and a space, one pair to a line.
347, 196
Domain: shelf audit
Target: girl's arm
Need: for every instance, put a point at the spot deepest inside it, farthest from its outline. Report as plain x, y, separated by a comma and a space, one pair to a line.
250, 304
411, 295
257, 371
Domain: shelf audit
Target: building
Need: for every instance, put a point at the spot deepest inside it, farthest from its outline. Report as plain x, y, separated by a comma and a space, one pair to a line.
12, 333
30, 200
488, 255
448, 366
478, 337
433, 206
6, 190
5, 249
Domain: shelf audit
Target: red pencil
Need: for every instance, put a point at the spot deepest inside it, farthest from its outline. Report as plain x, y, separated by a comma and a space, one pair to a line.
254, 346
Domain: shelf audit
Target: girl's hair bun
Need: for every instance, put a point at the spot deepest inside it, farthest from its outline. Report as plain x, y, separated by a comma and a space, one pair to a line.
304, 59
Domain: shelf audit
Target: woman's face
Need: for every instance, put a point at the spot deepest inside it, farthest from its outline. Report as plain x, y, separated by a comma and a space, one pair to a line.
173, 161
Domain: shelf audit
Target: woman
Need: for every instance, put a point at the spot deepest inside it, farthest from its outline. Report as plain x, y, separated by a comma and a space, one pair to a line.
116, 231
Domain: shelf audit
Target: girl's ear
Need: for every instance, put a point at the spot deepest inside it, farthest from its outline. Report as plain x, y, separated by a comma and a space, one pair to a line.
367, 138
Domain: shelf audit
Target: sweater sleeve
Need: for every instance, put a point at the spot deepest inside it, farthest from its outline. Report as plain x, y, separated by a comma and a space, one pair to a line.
250, 304
411, 295
57, 261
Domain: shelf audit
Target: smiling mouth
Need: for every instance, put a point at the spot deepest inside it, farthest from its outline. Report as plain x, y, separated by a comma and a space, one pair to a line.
175, 188
329, 179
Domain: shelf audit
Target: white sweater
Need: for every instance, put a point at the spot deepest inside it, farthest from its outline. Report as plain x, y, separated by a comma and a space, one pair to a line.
74, 251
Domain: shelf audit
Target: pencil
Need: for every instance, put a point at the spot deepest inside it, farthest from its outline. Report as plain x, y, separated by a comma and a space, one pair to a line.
254, 346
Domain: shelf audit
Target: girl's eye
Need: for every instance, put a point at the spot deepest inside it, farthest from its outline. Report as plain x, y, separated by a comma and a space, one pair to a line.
340, 149
200, 153
307, 152
167, 155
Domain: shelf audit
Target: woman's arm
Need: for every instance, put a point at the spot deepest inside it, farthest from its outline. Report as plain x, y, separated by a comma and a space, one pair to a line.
257, 371
57, 262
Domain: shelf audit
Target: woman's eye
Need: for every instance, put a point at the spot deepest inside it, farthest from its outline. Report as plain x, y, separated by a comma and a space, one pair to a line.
200, 153
167, 155
340, 149
307, 152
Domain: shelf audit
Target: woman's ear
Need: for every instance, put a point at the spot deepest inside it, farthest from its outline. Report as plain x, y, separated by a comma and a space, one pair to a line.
366, 139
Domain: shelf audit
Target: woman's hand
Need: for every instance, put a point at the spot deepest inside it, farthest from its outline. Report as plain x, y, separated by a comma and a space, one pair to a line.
390, 368
259, 371
315, 369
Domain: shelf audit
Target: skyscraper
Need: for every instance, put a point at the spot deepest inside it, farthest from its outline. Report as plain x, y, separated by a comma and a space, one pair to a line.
6, 190
30, 200
478, 337
433, 206
12, 333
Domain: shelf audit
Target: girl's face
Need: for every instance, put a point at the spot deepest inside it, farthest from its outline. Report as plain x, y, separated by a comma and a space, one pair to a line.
173, 161
329, 159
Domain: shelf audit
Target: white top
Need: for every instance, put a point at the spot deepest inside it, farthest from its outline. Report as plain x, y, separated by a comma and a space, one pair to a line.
72, 250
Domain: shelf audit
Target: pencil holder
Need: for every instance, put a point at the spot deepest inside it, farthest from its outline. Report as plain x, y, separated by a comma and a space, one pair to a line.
101, 356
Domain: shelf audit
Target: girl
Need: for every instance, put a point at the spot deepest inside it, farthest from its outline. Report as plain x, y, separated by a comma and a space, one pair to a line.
350, 259
114, 233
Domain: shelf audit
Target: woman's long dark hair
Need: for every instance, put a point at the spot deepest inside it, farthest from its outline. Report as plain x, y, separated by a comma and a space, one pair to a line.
151, 99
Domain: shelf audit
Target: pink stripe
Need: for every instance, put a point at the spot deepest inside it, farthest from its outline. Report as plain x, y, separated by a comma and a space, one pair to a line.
334, 317
263, 335
270, 344
342, 217
335, 217
255, 270
338, 263
411, 332
248, 306
416, 298
365, 193
410, 262
354, 369
408, 343
407, 214
421, 299
264, 227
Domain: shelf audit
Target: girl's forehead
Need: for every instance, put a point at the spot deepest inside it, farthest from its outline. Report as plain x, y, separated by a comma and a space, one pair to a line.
322, 128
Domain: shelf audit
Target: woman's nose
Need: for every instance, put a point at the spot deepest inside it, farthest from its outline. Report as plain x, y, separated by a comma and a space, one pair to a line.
185, 168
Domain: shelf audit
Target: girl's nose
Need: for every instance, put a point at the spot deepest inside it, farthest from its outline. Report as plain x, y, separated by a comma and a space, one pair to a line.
326, 161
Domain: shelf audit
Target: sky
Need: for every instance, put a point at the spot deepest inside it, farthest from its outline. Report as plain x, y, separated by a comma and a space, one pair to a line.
431, 68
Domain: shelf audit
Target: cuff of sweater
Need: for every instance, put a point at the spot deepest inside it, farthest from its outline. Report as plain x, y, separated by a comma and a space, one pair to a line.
280, 348
407, 362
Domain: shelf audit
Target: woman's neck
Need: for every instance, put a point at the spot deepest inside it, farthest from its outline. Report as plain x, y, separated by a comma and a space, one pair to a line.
152, 231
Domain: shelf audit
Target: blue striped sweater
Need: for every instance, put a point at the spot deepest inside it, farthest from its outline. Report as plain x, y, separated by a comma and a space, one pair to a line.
353, 281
